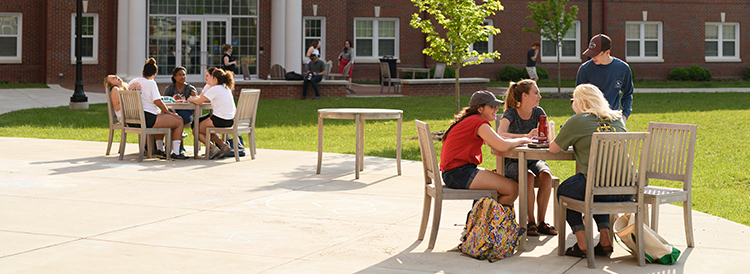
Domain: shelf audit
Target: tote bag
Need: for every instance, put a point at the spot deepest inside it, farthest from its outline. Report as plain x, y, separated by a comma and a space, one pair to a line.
656, 248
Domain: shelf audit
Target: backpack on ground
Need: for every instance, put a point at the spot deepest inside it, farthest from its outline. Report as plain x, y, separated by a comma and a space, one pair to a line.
491, 232
240, 147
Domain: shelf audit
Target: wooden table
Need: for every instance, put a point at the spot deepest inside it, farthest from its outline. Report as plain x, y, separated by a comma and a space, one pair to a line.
415, 70
524, 153
359, 115
197, 111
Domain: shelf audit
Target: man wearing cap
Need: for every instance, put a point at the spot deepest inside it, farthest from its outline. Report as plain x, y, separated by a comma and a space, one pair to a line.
611, 75
462, 149
314, 76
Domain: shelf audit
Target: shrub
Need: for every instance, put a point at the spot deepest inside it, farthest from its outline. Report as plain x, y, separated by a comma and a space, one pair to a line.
747, 73
510, 73
679, 74
692, 73
632, 73
541, 72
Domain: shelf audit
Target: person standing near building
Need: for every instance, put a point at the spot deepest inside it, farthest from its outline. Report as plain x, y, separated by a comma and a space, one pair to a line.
228, 62
611, 75
531, 57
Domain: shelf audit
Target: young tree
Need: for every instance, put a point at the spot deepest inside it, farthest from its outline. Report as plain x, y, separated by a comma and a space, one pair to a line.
462, 23
552, 22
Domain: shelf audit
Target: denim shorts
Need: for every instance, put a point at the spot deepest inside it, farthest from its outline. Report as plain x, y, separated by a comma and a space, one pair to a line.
460, 177
535, 166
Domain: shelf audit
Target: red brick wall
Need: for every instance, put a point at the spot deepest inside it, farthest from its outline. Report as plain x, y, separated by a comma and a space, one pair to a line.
291, 91
31, 69
441, 89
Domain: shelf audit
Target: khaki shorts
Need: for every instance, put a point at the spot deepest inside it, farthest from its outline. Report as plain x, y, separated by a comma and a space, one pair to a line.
532, 72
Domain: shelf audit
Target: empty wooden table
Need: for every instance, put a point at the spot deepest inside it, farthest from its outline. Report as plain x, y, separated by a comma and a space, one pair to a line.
359, 115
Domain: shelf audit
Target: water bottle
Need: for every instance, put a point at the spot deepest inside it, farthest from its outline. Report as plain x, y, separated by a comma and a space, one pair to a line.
542, 131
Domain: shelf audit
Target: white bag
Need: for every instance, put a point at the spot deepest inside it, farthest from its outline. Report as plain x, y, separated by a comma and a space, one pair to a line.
656, 248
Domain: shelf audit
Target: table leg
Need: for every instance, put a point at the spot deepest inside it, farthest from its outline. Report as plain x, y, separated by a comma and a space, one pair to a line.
522, 199
196, 129
398, 145
362, 145
356, 146
320, 142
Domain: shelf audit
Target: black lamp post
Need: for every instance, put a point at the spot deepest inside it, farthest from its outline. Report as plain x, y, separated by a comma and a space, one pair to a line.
79, 99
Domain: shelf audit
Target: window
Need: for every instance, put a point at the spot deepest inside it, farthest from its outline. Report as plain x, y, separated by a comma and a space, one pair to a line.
10, 38
484, 46
570, 51
643, 42
89, 38
374, 38
722, 42
315, 30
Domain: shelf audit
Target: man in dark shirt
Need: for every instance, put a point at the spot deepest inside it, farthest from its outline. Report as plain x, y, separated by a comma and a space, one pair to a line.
531, 56
314, 76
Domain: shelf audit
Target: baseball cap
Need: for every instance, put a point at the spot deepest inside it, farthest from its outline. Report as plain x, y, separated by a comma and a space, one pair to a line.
484, 97
598, 43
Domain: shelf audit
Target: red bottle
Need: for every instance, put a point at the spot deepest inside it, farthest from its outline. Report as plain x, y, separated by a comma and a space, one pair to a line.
542, 131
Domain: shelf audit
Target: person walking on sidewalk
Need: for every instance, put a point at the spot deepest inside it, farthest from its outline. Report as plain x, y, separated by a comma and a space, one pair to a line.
531, 56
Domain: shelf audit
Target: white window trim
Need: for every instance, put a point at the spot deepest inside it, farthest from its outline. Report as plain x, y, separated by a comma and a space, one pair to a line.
19, 43
84, 60
643, 59
490, 46
725, 59
376, 59
322, 33
564, 59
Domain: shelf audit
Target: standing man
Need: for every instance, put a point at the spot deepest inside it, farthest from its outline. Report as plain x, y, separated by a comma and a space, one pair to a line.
531, 56
611, 75
314, 76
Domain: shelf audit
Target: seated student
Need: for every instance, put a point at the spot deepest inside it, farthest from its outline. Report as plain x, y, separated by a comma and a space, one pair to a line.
181, 90
223, 109
592, 115
314, 76
462, 149
521, 119
114, 84
152, 104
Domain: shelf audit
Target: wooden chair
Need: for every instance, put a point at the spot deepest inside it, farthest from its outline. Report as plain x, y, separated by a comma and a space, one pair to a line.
386, 79
439, 71
500, 169
112, 118
433, 183
671, 158
278, 72
132, 114
614, 161
245, 71
244, 122
344, 75
329, 65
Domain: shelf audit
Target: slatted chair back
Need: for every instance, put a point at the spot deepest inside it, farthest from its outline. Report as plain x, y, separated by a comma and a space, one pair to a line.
278, 72
439, 71
244, 122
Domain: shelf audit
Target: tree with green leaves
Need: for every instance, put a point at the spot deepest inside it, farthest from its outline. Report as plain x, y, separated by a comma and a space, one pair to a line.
462, 23
552, 23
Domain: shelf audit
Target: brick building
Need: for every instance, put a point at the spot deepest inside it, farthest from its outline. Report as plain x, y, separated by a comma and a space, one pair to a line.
654, 37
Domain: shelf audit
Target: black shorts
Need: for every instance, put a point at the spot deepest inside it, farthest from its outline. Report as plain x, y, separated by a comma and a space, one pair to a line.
218, 122
150, 120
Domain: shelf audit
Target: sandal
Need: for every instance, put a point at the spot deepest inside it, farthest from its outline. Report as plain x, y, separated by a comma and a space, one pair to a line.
575, 251
547, 229
600, 250
531, 229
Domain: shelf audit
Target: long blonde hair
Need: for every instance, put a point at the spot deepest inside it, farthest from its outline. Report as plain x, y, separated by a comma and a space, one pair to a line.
589, 99
515, 93
109, 85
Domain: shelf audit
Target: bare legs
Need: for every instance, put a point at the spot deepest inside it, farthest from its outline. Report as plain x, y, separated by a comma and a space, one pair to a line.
507, 188
170, 121
207, 123
545, 190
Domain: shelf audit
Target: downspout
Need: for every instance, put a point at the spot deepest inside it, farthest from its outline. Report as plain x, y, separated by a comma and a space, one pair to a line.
426, 60
44, 41
604, 16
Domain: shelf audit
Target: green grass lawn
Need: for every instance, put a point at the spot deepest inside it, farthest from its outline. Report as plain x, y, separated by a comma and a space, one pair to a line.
721, 181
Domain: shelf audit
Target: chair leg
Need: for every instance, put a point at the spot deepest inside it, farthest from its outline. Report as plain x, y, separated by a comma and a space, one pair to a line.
560, 225
123, 138
381, 86
435, 223
640, 248
589, 231
251, 143
109, 143
208, 144
141, 143
425, 216
687, 211
168, 151
235, 146
655, 217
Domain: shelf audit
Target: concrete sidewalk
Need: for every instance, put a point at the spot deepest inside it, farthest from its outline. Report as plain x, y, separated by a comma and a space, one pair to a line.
67, 208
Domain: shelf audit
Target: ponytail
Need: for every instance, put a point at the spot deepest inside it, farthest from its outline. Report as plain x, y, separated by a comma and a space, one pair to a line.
150, 68
515, 92
224, 77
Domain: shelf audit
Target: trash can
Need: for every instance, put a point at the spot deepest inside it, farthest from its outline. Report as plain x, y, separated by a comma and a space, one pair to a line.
391, 65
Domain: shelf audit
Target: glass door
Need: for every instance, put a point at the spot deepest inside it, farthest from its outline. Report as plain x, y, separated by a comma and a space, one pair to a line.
200, 45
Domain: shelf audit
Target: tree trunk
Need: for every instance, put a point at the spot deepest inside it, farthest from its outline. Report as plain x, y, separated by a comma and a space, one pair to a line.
557, 49
458, 89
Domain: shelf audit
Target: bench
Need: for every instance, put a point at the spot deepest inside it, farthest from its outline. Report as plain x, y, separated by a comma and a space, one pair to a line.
430, 87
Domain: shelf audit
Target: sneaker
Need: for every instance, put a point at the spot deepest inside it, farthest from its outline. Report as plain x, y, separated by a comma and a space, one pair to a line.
180, 156
214, 152
160, 154
184, 134
182, 150
223, 152
316, 98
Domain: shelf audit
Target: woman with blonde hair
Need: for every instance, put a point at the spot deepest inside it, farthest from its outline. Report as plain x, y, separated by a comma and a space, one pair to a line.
592, 115
520, 119
114, 83
462, 149
222, 109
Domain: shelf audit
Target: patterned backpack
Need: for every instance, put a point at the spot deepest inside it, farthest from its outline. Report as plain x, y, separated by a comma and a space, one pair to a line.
492, 231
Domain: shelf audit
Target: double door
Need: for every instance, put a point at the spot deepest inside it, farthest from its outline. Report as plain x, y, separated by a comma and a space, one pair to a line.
199, 45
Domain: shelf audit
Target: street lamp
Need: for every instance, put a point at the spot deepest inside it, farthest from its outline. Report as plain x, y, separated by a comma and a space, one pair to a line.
79, 99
